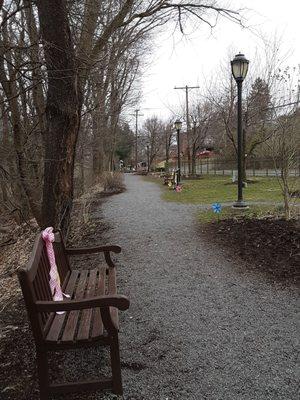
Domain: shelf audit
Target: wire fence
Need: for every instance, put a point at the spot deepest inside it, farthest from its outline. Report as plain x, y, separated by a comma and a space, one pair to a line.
254, 167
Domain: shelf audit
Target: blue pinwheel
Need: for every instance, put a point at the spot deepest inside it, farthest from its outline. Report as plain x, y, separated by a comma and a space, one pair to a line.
217, 208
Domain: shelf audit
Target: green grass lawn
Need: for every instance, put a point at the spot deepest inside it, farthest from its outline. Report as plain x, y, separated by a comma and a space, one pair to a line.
210, 189
255, 211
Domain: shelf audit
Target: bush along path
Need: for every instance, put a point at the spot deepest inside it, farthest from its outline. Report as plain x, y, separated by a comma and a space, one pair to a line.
200, 326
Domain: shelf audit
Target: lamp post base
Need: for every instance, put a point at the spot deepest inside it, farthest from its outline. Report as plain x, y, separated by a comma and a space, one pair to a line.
240, 204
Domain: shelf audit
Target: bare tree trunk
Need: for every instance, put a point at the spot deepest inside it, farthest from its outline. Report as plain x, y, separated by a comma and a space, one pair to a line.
63, 111
188, 151
14, 197
82, 176
11, 92
37, 89
285, 181
194, 152
4, 152
98, 143
287, 208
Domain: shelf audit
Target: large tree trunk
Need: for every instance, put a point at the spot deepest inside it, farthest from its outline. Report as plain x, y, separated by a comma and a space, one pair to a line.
62, 113
4, 151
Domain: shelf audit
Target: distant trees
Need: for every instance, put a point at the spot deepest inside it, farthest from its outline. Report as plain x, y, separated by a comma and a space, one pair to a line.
155, 141
154, 137
271, 123
67, 70
285, 151
124, 143
201, 121
256, 117
22, 107
284, 143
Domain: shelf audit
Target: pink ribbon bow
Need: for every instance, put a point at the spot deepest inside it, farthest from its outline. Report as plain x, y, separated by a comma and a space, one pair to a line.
54, 282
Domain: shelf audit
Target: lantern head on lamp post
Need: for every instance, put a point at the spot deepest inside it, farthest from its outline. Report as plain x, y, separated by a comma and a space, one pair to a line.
239, 69
178, 126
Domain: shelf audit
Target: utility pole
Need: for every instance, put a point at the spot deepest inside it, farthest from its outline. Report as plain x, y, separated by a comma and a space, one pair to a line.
187, 88
136, 114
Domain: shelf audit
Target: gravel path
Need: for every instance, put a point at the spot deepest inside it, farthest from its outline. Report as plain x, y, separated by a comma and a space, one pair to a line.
198, 326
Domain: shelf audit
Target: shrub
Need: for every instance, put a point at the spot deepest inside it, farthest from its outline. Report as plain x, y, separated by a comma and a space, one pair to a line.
113, 182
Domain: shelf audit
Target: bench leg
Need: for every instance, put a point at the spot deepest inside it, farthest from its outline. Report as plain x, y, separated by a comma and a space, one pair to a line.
116, 366
43, 375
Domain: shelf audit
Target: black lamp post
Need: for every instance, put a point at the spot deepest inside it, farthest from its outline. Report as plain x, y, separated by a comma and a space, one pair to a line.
178, 125
239, 68
148, 158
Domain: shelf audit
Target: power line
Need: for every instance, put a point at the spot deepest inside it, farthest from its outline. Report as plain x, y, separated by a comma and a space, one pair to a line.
187, 88
283, 105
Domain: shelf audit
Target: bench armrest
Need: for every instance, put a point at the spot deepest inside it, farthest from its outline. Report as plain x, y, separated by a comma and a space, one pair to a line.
91, 250
99, 249
118, 301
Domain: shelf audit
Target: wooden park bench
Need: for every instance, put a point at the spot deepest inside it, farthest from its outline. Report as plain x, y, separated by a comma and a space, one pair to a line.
90, 317
170, 178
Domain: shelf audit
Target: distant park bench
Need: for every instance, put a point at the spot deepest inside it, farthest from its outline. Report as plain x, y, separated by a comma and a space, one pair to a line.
90, 317
170, 178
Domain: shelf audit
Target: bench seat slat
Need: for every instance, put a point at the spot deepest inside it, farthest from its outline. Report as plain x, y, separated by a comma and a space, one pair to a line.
112, 289
87, 324
97, 328
59, 319
71, 324
86, 315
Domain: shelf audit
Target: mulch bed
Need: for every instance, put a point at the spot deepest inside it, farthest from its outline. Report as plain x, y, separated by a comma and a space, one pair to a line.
269, 245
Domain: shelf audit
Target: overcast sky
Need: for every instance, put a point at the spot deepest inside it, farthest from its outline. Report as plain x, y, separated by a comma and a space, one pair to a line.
190, 60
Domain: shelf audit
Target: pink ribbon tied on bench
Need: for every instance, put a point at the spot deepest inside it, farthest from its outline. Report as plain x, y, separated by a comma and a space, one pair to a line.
54, 282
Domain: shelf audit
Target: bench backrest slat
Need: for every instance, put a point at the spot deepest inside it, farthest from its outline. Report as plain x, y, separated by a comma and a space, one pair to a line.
41, 282
61, 257
34, 280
